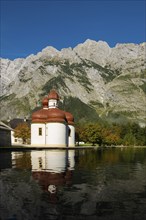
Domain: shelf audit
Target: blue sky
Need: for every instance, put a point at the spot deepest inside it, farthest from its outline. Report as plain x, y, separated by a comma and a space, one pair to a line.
28, 26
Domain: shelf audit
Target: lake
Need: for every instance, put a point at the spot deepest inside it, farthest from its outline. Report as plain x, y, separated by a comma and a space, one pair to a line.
103, 184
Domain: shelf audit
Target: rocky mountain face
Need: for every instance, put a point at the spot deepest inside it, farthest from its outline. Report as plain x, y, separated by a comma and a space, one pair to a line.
108, 82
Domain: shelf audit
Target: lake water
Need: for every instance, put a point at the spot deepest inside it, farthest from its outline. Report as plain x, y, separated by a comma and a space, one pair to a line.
107, 184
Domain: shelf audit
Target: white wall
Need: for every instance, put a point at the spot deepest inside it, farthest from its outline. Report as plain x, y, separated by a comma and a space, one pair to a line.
71, 142
37, 139
56, 134
52, 103
15, 140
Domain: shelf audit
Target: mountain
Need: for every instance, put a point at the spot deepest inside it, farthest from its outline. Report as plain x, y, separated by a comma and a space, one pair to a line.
94, 80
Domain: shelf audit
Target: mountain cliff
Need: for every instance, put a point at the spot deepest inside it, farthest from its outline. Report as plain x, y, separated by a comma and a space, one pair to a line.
93, 78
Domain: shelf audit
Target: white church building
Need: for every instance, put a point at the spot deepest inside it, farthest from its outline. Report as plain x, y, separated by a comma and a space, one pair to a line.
51, 126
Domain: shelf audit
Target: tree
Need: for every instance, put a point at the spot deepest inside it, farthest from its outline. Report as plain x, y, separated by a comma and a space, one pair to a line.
129, 139
78, 131
22, 131
111, 135
91, 133
133, 134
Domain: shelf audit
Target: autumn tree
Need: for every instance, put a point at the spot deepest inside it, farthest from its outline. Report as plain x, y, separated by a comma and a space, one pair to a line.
22, 131
91, 133
111, 135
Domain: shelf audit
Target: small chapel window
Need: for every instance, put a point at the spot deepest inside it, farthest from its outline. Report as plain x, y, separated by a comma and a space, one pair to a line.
40, 131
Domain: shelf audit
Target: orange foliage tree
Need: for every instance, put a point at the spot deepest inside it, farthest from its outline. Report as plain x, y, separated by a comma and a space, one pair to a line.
111, 135
22, 131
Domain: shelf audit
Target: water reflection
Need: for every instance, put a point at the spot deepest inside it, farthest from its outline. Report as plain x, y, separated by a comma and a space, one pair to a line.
52, 169
5, 160
75, 184
21, 160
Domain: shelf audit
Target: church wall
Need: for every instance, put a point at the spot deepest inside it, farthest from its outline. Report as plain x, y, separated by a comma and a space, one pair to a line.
38, 134
71, 136
56, 134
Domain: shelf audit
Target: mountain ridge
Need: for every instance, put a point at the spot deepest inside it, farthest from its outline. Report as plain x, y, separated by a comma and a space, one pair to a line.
109, 80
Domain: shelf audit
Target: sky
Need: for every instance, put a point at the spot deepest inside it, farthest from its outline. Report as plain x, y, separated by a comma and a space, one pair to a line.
28, 26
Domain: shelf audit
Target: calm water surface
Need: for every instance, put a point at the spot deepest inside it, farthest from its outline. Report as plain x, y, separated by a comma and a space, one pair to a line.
90, 184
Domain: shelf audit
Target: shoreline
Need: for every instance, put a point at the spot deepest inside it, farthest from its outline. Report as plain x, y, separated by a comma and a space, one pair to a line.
29, 147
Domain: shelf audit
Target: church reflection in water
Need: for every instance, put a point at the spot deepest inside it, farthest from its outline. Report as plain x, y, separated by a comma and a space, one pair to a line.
52, 169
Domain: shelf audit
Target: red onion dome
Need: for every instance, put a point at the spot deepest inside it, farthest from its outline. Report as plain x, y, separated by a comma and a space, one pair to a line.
70, 118
45, 102
40, 116
56, 115
53, 95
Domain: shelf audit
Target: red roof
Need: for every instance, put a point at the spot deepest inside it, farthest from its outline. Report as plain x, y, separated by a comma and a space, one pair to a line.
56, 115
40, 116
69, 117
53, 95
52, 114
49, 115
45, 102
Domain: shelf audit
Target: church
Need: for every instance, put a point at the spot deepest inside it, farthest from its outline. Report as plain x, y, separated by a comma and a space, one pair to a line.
52, 126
